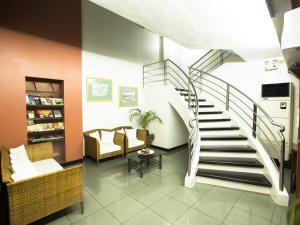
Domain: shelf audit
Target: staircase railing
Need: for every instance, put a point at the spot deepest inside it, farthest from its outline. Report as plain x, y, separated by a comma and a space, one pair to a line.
211, 60
248, 111
166, 72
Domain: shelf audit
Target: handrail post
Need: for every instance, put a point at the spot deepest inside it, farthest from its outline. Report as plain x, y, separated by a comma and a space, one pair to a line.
281, 175
227, 96
254, 120
189, 90
143, 76
165, 73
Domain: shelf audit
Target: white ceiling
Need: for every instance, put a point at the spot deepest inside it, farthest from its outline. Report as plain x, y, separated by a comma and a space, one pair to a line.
244, 26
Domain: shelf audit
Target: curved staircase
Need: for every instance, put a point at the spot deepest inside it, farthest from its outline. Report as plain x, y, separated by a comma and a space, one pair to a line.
231, 142
225, 153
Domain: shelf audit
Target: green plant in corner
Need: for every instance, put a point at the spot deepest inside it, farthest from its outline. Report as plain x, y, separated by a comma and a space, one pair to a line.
144, 119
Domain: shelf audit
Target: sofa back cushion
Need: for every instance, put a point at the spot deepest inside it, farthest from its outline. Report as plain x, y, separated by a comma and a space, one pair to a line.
95, 135
107, 136
131, 134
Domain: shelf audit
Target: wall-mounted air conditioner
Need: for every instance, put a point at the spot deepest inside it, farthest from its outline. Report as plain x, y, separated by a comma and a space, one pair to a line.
278, 102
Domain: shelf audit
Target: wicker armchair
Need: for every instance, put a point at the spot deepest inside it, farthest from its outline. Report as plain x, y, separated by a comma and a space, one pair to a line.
37, 197
141, 135
93, 149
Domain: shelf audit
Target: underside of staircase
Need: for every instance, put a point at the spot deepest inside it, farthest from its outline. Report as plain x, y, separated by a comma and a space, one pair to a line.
227, 157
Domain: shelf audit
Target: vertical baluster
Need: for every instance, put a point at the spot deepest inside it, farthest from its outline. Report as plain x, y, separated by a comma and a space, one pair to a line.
165, 72
254, 120
281, 175
227, 96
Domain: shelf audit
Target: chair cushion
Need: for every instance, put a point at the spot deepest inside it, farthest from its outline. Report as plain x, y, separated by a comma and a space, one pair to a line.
108, 147
19, 154
95, 135
134, 143
107, 136
131, 133
47, 166
24, 171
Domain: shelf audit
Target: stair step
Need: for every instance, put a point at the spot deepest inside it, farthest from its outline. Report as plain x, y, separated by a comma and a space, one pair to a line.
232, 161
225, 138
186, 94
193, 100
218, 128
231, 149
181, 89
203, 106
247, 178
209, 112
214, 120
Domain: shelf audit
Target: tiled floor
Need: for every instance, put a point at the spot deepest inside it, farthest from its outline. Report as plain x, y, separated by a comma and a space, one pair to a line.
112, 196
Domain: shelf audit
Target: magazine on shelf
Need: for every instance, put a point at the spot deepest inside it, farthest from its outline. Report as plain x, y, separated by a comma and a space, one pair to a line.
44, 114
57, 113
58, 101
30, 114
33, 100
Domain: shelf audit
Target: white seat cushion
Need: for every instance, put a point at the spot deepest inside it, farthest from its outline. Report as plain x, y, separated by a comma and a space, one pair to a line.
134, 143
24, 171
19, 154
47, 166
108, 147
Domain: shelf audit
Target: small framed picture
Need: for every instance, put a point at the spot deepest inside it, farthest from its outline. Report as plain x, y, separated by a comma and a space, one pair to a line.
57, 113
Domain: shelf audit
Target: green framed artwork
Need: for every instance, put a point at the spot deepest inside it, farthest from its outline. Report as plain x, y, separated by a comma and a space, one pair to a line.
98, 89
128, 96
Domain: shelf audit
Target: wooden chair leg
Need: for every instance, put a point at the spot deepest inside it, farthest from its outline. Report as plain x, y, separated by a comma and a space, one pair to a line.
82, 207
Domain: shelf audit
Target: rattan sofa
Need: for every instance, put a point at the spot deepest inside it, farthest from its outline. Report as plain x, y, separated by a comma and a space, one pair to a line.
140, 135
37, 197
93, 149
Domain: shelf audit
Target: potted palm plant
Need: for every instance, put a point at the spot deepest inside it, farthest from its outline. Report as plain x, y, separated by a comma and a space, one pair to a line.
144, 119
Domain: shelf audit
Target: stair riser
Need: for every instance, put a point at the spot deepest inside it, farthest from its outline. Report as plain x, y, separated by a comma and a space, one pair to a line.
208, 109
215, 124
219, 133
223, 143
211, 116
235, 185
231, 168
237, 155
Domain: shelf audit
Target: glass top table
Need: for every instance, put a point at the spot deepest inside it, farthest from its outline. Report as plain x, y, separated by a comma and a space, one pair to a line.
140, 161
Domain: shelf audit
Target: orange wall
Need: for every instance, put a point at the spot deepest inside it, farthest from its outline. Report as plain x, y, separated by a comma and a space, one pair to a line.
40, 39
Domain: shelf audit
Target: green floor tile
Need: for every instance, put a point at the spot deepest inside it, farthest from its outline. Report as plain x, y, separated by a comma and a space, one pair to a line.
109, 196
194, 217
101, 217
169, 208
186, 195
147, 217
241, 217
213, 207
147, 195
125, 208
90, 206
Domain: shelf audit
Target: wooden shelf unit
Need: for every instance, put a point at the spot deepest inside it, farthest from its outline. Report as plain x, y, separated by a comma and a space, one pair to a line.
46, 88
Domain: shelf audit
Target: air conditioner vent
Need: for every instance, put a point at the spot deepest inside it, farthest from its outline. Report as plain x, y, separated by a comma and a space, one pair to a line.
275, 90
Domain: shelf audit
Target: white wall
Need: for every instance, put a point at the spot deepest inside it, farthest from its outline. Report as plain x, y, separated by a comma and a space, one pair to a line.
181, 55
113, 48
173, 131
249, 76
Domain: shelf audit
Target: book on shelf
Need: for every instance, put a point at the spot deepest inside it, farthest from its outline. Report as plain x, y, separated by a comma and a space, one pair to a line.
45, 127
35, 100
30, 114
46, 138
44, 114
57, 113
58, 101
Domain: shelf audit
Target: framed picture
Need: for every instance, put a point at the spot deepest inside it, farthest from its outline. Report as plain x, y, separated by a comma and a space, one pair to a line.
98, 89
128, 96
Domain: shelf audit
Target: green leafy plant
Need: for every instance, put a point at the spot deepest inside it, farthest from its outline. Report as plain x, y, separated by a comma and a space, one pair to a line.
144, 119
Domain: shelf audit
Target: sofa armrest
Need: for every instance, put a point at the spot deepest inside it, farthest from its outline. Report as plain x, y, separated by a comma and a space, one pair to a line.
92, 146
41, 151
119, 140
37, 197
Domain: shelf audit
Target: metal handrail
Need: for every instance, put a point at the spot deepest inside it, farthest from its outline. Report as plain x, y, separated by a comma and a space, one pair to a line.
170, 70
255, 115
